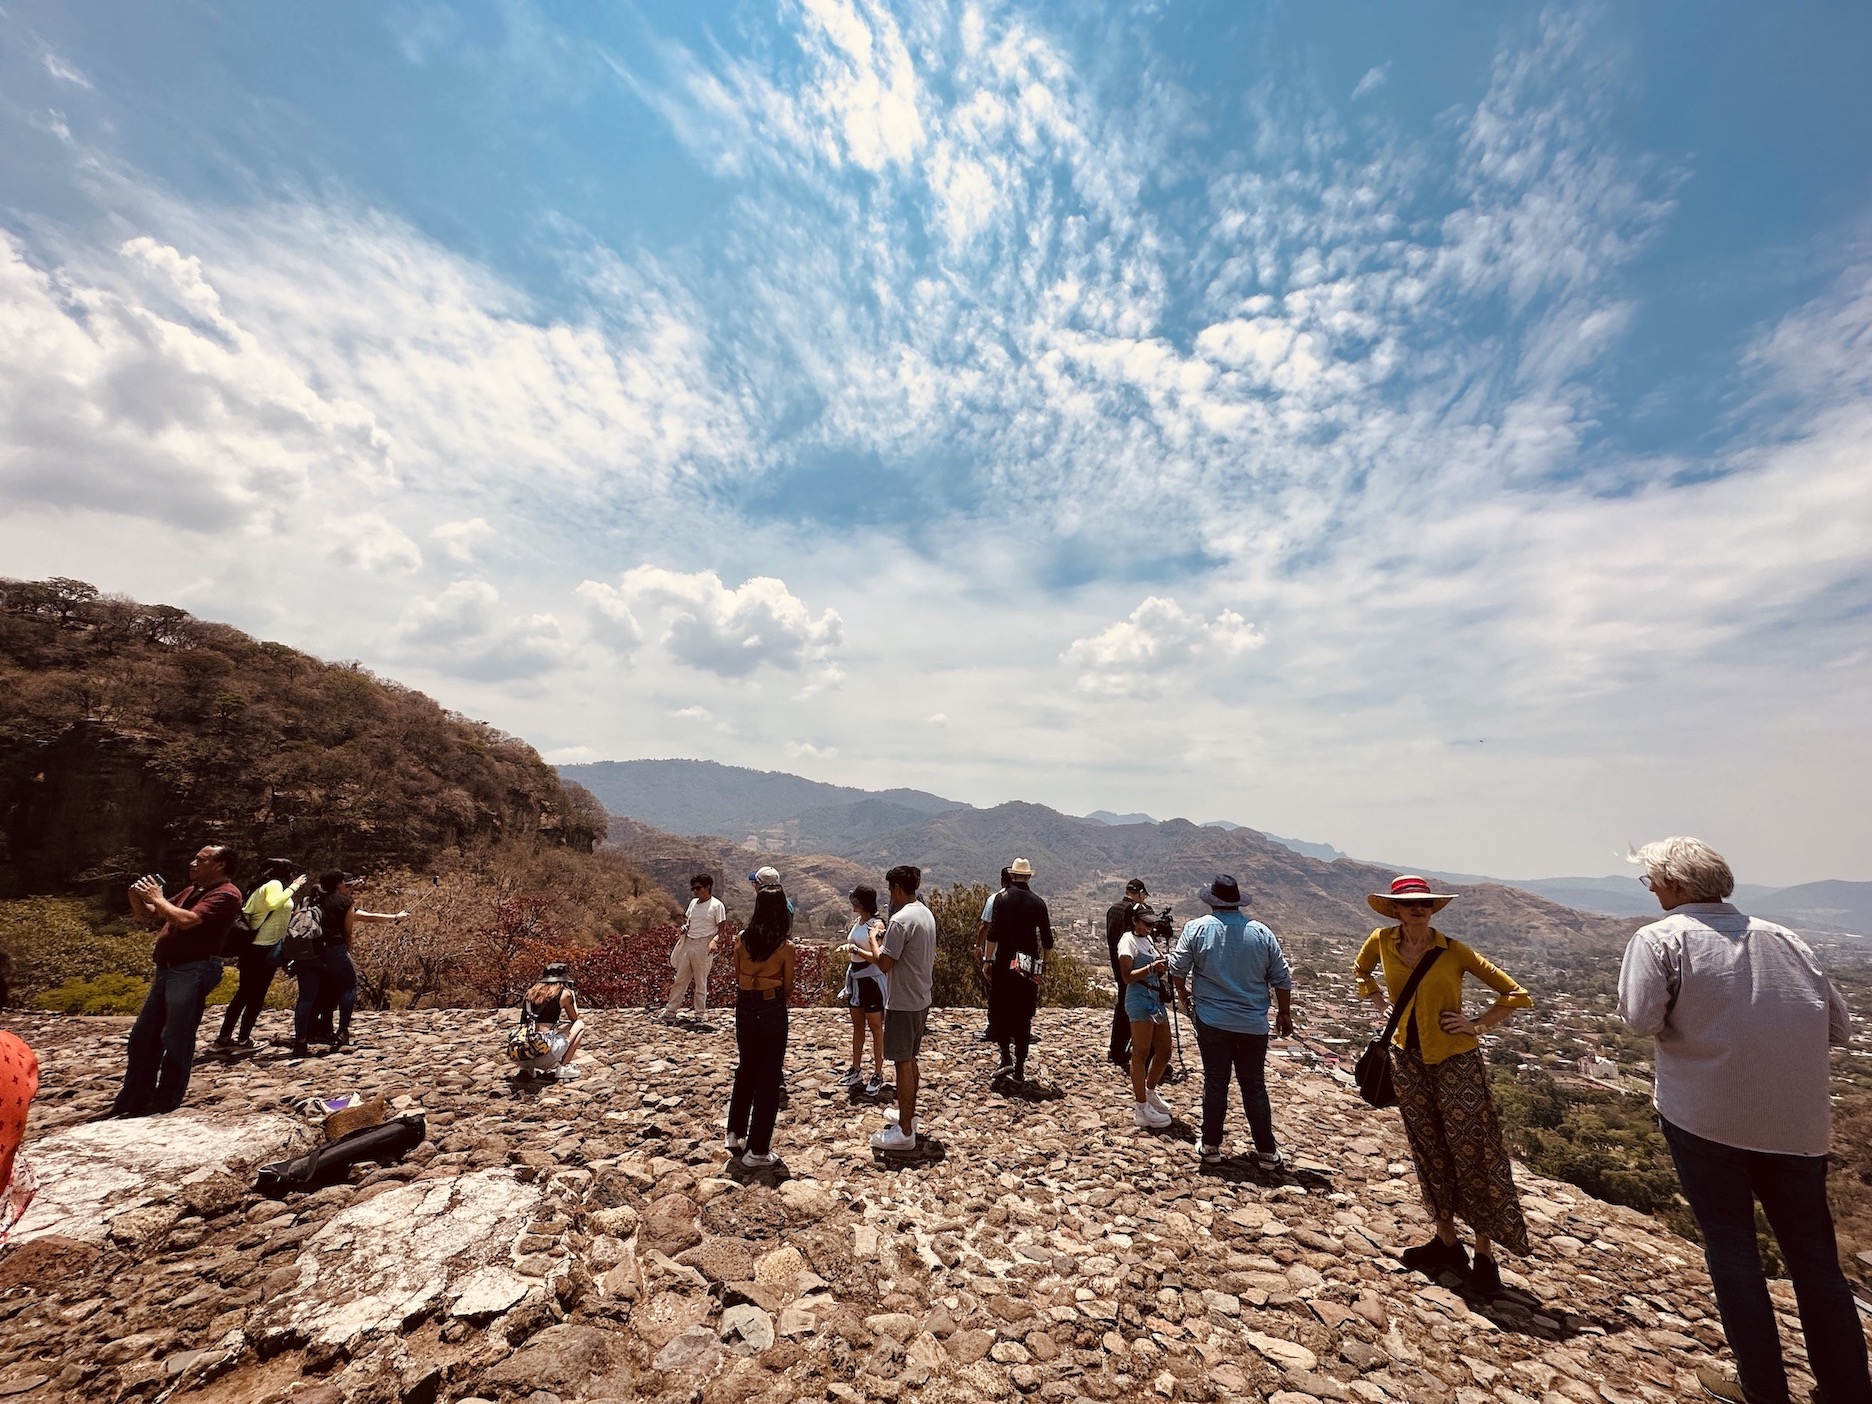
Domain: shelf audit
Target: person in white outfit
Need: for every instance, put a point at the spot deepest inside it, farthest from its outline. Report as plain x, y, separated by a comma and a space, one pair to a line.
704, 927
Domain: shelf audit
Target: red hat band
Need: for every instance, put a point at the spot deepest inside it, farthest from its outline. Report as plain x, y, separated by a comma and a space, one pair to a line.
1409, 887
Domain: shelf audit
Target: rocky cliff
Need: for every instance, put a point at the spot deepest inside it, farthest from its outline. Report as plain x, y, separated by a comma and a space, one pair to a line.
588, 1241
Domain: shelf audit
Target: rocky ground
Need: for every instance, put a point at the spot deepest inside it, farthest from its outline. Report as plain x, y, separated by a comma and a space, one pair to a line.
588, 1240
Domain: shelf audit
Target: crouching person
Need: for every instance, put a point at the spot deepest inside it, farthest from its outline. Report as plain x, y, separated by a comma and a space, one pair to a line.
549, 1003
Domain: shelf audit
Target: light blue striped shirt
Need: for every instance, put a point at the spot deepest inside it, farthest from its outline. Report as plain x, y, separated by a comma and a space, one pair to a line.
1233, 965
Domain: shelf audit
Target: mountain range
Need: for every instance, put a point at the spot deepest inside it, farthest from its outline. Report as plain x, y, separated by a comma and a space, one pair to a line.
730, 816
1081, 863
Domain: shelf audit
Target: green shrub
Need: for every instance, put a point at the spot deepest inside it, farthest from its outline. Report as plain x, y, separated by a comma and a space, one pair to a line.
957, 983
52, 941
102, 994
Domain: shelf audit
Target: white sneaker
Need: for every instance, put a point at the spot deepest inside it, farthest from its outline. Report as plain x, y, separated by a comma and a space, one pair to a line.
755, 1162
892, 1138
1151, 1095
895, 1115
1148, 1117
734, 1145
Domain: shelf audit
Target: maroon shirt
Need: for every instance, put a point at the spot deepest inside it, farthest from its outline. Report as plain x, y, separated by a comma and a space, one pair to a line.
218, 905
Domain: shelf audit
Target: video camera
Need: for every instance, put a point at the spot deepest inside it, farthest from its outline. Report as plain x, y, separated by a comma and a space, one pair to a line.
1161, 928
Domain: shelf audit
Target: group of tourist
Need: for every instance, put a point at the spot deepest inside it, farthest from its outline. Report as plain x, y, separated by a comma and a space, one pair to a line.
208, 920
1740, 1011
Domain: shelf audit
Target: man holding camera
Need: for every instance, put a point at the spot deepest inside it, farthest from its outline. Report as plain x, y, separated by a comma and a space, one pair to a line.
1118, 923
161, 1050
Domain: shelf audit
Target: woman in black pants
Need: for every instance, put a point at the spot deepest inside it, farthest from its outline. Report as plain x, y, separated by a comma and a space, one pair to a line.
764, 985
269, 907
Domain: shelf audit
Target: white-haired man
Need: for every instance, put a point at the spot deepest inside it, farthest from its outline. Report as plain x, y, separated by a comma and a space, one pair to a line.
1743, 1016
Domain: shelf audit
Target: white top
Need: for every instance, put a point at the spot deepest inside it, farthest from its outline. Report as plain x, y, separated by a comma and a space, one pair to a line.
858, 942
1141, 949
1742, 1015
988, 908
910, 941
704, 919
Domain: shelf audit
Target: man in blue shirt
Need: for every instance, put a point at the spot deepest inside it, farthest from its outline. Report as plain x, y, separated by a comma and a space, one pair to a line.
1227, 971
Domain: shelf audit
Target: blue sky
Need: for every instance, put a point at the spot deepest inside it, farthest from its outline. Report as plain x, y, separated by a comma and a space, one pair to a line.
1435, 430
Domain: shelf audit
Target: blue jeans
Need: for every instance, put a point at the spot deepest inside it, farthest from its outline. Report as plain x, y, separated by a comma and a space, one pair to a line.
162, 1040
258, 965
1242, 1057
1722, 1184
327, 981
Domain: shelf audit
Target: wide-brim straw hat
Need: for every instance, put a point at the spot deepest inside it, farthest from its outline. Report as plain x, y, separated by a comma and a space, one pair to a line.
1411, 887
1021, 867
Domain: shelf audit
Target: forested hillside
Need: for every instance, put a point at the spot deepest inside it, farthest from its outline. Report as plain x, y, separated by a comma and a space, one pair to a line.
131, 733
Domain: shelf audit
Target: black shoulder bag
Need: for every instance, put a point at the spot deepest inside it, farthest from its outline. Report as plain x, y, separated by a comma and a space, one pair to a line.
1373, 1073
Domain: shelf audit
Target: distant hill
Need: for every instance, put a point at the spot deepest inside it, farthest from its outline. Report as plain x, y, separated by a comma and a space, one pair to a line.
765, 809
1081, 868
818, 884
1832, 906
132, 733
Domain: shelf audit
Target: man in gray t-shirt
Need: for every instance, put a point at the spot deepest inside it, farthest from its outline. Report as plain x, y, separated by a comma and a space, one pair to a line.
1743, 1016
909, 958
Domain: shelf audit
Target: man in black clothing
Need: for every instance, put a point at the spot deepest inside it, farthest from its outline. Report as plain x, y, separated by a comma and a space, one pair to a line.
1117, 927
1020, 929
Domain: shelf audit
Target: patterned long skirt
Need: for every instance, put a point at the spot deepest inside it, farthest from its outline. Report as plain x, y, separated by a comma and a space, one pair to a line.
1462, 1166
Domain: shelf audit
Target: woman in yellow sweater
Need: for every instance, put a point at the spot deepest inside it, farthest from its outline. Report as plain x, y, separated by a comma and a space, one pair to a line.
1442, 1083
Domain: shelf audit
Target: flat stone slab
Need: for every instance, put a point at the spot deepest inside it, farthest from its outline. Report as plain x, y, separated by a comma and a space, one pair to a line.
377, 1265
91, 1174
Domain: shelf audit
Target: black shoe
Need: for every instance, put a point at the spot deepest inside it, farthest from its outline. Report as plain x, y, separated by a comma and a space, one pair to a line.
300, 1050
1436, 1257
1006, 1068
1485, 1278
244, 1044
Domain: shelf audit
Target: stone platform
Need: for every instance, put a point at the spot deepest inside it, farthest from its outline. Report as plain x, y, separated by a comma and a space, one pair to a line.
590, 1240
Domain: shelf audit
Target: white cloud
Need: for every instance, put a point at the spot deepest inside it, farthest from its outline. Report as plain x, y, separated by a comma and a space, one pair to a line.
610, 617
129, 389
465, 631
694, 713
729, 632
371, 542
65, 72
806, 750
462, 541
1373, 80
1135, 656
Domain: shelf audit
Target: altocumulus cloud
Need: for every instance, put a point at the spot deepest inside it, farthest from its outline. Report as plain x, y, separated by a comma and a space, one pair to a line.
707, 625
1134, 655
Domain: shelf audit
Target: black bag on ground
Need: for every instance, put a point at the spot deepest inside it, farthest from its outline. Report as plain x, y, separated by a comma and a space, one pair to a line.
1373, 1073
390, 1141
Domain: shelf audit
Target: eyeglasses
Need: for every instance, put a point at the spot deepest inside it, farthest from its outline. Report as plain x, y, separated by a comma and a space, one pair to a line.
1646, 880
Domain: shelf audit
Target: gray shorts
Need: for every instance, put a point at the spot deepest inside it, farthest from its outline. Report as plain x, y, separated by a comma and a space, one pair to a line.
903, 1033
